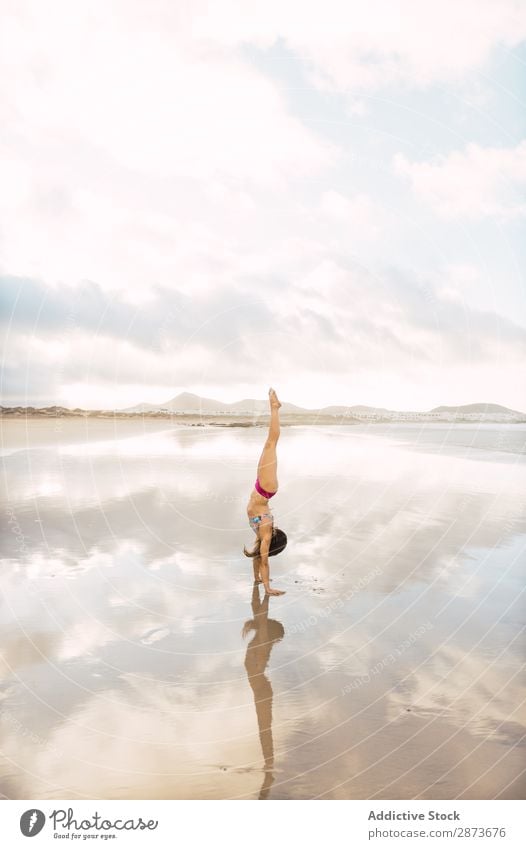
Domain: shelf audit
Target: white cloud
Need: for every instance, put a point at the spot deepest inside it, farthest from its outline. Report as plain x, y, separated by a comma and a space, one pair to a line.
475, 182
360, 215
333, 318
348, 44
145, 152
143, 147
136, 155
159, 102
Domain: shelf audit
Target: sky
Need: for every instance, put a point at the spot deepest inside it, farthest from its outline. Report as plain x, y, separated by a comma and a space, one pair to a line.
218, 197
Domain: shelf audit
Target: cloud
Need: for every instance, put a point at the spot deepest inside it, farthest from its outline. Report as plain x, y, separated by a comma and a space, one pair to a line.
360, 215
163, 161
166, 204
143, 166
336, 318
476, 182
154, 100
356, 46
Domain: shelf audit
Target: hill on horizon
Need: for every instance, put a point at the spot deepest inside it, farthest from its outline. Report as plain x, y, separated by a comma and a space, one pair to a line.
480, 407
190, 402
186, 401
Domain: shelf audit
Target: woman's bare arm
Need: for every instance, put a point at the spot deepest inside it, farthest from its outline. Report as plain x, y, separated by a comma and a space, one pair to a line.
264, 569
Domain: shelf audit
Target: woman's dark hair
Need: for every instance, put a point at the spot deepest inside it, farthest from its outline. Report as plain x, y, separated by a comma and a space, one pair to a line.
278, 542
276, 631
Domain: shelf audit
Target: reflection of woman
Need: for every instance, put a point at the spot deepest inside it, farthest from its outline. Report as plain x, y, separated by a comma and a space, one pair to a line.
270, 539
268, 631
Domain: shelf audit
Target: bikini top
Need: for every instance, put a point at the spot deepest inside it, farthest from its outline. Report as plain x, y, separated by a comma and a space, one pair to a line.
256, 520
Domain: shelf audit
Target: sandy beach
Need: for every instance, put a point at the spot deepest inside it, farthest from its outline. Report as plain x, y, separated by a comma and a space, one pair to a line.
138, 660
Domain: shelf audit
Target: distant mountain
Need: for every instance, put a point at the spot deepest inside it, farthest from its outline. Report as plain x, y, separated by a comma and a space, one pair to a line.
181, 403
477, 408
249, 410
188, 402
254, 406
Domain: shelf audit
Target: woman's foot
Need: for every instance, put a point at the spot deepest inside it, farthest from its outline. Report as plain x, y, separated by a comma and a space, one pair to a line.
273, 398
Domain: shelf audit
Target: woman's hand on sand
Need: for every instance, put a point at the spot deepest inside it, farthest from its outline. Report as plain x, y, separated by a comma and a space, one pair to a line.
270, 591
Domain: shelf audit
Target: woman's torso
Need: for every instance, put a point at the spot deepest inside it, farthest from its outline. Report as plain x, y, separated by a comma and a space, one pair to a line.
257, 504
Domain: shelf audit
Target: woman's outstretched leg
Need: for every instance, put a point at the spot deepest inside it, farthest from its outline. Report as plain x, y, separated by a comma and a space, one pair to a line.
268, 462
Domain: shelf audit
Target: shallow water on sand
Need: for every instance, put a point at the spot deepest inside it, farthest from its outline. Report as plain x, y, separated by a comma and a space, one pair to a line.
138, 661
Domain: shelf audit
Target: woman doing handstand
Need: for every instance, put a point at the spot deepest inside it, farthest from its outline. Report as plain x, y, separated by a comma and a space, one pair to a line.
270, 539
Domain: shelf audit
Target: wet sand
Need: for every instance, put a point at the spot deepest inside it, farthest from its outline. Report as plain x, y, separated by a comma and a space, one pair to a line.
138, 660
